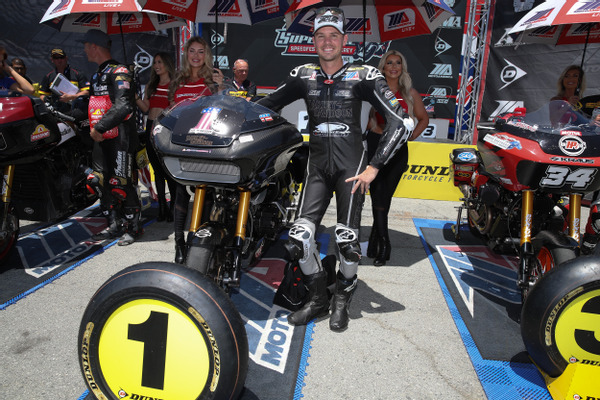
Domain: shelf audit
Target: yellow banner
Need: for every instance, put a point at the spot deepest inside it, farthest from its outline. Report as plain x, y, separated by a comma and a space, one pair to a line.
428, 175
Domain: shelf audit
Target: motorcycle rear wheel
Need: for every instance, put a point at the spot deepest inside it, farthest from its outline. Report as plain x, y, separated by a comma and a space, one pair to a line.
9, 233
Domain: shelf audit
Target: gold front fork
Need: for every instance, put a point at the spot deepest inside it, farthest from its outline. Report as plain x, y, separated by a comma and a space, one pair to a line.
242, 217
9, 174
199, 196
526, 217
574, 218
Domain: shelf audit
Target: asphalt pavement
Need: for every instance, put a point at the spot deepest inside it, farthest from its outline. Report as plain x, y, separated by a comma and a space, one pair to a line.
401, 342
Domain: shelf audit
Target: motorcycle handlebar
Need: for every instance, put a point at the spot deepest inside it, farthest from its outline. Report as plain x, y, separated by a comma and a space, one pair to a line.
58, 114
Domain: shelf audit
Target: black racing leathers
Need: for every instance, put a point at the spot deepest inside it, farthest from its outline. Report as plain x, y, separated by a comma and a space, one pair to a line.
112, 103
336, 146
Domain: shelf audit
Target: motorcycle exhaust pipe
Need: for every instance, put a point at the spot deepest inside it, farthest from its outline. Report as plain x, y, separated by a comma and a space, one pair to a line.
465, 189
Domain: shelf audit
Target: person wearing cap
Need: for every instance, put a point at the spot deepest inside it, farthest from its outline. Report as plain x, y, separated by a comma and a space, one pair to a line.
112, 125
10, 79
333, 92
62, 102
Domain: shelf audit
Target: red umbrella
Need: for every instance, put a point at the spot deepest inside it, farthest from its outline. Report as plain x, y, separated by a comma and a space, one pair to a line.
246, 12
115, 22
374, 20
125, 16
560, 22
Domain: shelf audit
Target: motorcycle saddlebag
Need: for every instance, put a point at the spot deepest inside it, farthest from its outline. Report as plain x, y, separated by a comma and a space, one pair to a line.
27, 128
464, 163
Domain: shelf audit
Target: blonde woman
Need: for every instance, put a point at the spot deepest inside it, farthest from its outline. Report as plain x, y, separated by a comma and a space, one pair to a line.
570, 84
394, 68
195, 79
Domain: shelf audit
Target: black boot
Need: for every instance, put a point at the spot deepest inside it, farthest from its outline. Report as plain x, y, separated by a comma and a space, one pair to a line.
162, 210
134, 228
385, 247
114, 228
318, 302
180, 250
344, 289
373, 246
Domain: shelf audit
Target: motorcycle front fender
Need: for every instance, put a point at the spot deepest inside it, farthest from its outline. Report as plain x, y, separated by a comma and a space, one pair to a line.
554, 240
209, 234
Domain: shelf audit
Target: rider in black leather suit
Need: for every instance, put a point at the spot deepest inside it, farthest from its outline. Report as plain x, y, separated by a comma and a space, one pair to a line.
337, 159
112, 103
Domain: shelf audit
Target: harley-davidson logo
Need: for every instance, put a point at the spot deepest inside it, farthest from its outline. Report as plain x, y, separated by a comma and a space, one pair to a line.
571, 145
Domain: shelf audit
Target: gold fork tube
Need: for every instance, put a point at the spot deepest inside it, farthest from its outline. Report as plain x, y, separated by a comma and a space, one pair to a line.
526, 216
242, 217
574, 218
199, 195
9, 174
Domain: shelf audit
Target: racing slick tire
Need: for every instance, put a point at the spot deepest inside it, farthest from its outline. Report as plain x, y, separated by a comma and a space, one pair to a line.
162, 330
559, 318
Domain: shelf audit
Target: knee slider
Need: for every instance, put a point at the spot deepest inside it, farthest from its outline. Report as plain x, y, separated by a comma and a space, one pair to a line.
347, 241
117, 188
94, 182
301, 240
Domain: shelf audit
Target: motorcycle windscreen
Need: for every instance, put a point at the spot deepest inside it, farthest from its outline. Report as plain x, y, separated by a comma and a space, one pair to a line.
215, 121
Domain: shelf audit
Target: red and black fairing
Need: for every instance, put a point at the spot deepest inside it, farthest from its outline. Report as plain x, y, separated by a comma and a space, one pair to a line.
27, 130
521, 155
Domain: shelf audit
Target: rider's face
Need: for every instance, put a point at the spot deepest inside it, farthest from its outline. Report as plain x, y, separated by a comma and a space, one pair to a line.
329, 43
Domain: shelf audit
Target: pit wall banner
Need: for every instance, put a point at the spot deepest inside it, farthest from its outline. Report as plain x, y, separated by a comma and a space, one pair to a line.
428, 175
433, 60
526, 75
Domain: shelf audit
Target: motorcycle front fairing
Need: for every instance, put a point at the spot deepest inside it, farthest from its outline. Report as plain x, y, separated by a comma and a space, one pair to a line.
555, 149
224, 140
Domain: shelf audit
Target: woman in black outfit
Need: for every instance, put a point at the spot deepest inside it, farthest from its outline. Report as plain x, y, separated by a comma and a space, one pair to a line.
394, 68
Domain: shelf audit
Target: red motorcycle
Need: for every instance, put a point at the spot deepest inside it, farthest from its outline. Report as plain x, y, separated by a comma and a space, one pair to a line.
516, 182
43, 155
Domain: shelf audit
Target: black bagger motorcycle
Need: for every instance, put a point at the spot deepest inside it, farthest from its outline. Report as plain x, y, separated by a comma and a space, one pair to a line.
243, 161
43, 157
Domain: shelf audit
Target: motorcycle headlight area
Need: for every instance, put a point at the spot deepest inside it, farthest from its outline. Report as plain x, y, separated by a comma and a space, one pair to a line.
199, 171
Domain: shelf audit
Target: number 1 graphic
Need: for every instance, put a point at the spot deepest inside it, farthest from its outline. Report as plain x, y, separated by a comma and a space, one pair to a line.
153, 333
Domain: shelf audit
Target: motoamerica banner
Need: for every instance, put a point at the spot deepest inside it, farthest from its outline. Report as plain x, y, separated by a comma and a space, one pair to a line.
526, 75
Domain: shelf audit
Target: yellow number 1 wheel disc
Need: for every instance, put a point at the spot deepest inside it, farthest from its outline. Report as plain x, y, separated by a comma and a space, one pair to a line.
161, 330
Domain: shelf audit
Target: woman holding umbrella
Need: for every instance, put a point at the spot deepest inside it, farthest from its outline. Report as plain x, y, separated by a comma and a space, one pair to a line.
394, 68
156, 99
195, 79
571, 84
